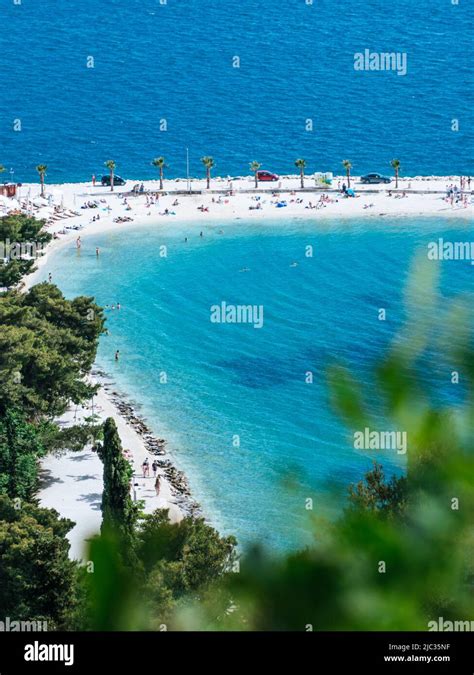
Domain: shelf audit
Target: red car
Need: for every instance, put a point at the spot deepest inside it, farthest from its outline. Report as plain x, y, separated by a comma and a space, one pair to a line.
267, 175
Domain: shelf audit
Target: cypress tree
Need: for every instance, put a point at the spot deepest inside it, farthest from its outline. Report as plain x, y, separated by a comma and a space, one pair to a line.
119, 513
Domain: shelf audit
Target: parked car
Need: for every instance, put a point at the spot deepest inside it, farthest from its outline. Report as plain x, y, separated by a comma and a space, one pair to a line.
375, 178
117, 180
267, 175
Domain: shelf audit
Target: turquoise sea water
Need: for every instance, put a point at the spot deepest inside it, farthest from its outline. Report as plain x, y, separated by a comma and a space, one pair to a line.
228, 380
173, 61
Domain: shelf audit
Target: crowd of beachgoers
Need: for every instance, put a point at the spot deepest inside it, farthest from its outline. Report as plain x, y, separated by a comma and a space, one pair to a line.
91, 206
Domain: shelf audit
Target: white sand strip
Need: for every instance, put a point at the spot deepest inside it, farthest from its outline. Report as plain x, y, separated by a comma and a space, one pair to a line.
72, 481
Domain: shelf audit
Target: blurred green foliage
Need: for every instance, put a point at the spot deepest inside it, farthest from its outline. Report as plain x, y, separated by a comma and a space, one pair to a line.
398, 557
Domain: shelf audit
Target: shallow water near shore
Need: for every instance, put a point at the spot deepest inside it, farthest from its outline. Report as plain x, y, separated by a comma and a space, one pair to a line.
254, 438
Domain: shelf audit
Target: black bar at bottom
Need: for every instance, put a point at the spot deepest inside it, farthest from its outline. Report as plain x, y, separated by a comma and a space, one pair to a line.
137, 653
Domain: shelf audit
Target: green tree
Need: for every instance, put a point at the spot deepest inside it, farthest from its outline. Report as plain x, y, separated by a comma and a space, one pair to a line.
21, 228
111, 166
301, 164
12, 272
209, 164
41, 169
254, 167
174, 561
346, 163
159, 163
20, 449
395, 164
119, 513
377, 495
37, 579
47, 347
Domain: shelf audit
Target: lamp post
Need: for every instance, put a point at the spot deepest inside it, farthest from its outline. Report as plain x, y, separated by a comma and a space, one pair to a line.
187, 169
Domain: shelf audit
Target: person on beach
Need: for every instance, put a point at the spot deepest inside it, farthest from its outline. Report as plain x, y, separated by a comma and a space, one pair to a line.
154, 467
50, 278
97, 252
146, 468
78, 243
93, 180
157, 486
117, 355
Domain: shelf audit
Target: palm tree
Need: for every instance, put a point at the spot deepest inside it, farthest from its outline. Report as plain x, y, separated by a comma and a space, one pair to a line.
208, 163
159, 162
110, 164
301, 164
396, 166
41, 169
348, 166
254, 167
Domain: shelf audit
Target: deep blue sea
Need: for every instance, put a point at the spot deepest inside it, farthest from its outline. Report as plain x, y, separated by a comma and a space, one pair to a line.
173, 61
228, 380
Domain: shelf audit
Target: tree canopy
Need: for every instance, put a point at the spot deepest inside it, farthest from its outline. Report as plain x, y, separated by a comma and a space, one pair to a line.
37, 580
47, 347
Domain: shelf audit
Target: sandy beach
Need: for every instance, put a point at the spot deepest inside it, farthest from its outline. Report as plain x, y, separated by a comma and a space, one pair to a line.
230, 199
72, 482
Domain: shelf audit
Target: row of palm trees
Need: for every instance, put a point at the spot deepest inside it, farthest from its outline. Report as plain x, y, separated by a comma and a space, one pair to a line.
160, 164
301, 165
256, 166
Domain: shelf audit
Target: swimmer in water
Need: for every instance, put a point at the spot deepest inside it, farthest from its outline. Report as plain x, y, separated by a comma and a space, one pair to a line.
294, 264
245, 269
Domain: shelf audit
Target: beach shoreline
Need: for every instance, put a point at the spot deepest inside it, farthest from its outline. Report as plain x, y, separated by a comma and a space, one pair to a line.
237, 202
76, 493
